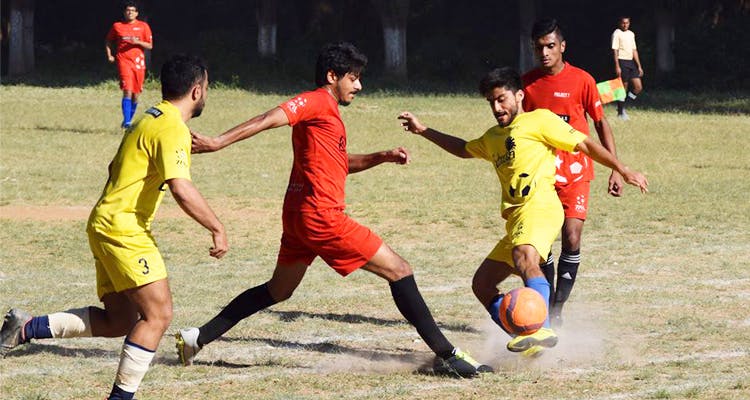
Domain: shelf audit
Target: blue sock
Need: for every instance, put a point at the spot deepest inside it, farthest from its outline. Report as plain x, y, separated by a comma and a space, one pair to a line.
133, 106
541, 285
494, 310
37, 328
127, 107
119, 394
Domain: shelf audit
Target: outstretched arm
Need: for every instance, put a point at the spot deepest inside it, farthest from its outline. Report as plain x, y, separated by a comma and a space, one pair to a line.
604, 157
270, 119
607, 139
451, 144
361, 162
194, 205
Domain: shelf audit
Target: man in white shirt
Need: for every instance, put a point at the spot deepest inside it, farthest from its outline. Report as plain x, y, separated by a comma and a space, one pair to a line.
627, 63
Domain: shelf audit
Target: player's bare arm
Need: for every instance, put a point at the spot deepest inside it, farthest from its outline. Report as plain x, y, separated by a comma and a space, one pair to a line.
638, 62
194, 205
451, 144
108, 48
361, 162
607, 139
604, 157
618, 71
144, 45
270, 119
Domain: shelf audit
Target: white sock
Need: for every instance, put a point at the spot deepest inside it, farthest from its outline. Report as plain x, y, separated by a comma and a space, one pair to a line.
632, 95
71, 323
134, 362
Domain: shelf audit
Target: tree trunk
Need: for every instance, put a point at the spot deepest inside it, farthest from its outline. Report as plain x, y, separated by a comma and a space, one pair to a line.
393, 15
266, 17
527, 15
664, 40
21, 37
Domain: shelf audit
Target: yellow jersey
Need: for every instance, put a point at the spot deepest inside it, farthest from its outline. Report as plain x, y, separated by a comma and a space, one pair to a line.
154, 150
523, 154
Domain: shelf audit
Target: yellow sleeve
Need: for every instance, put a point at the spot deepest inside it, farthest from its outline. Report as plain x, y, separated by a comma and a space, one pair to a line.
558, 133
171, 154
478, 148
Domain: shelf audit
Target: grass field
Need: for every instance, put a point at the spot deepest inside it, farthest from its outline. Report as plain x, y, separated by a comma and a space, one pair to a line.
660, 309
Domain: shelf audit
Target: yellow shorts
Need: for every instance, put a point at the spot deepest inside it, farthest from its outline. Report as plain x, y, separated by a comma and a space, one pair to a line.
533, 224
125, 262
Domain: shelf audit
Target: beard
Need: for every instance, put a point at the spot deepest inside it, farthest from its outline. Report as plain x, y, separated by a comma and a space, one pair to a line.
511, 116
198, 110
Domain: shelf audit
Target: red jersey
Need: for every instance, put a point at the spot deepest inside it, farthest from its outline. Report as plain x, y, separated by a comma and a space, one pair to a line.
321, 163
122, 34
571, 94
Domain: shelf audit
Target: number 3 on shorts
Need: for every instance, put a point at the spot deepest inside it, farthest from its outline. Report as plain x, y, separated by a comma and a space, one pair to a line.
144, 262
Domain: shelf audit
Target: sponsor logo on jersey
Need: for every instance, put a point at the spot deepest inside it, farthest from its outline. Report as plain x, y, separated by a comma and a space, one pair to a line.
294, 104
564, 95
510, 145
155, 112
181, 158
564, 117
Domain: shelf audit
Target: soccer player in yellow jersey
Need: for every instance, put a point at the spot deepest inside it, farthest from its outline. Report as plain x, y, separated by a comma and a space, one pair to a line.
522, 150
131, 278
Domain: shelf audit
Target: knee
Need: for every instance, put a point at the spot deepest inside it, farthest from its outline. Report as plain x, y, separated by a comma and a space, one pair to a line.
162, 318
279, 293
400, 270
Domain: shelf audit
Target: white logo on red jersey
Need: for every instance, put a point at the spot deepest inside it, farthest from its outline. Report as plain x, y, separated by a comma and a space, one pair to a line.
293, 104
561, 94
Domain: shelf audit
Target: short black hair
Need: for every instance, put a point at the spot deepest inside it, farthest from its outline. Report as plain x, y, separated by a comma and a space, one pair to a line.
129, 3
505, 77
545, 26
179, 74
341, 58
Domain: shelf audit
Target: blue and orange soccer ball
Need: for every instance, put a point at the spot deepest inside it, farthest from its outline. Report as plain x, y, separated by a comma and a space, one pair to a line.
522, 311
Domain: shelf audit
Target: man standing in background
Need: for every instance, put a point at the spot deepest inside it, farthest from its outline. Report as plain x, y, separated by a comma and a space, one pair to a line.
129, 38
627, 63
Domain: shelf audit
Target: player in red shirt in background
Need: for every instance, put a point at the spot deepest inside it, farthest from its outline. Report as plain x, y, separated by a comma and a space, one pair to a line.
314, 222
570, 93
125, 43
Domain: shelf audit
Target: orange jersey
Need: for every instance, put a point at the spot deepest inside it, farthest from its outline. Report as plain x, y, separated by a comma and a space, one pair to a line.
122, 34
571, 94
321, 163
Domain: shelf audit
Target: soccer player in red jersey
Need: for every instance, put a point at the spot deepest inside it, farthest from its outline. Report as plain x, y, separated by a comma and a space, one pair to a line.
314, 222
571, 93
125, 43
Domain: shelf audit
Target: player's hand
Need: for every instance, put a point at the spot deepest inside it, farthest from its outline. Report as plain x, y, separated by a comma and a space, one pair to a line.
221, 245
618, 71
202, 144
111, 59
400, 155
616, 184
636, 179
640, 72
411, 123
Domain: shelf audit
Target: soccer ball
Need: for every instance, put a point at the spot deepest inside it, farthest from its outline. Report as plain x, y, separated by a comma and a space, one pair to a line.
522, 311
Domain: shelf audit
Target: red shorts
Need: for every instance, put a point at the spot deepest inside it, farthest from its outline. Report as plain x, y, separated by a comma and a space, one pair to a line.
132, 73
575, 199
340, 241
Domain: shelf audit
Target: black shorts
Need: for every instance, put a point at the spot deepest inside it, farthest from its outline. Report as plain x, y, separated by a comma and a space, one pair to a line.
628, 70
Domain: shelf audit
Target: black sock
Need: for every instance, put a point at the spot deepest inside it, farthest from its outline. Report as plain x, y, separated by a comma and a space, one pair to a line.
243, 306
548, 269
412, 306
567, 268
620, 106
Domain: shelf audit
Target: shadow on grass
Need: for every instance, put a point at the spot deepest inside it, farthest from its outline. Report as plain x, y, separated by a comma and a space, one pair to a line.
290, 316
